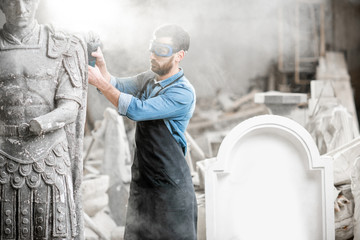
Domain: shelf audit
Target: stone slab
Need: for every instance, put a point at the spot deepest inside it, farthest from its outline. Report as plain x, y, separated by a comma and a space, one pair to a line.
269, 182
274, 97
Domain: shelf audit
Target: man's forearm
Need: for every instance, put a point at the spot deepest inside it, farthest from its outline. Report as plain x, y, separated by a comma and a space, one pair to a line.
110, 92
107, 76
102, 82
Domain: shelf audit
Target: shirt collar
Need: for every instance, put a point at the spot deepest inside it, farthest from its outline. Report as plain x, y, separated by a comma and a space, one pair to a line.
165, 82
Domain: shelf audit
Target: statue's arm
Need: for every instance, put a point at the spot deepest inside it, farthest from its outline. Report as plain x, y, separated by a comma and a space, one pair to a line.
68, 98
64, 114
69, 93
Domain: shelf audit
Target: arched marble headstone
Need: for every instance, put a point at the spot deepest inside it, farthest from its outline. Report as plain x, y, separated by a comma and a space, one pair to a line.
269, 182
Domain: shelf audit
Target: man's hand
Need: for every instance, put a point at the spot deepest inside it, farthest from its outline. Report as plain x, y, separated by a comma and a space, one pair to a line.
100, 78
96, 78
100, 62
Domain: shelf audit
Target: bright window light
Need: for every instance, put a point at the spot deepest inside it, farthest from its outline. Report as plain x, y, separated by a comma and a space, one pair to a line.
82, 15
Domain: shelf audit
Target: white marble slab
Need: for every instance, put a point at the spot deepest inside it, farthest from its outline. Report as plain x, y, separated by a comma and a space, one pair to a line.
269, 182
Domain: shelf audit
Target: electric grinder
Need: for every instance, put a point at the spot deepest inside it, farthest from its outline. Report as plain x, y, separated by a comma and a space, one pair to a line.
93, 42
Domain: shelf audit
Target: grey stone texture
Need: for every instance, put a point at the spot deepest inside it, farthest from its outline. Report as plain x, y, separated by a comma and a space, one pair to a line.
43, 83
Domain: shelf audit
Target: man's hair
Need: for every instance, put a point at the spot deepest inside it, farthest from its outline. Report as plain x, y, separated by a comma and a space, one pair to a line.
179, 37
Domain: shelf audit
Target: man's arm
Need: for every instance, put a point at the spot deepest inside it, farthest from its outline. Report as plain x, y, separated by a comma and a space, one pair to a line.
176, 103
110, 86
102, 82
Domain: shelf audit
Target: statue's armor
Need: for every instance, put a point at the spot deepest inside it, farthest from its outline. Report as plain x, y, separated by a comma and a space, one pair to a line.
36, 192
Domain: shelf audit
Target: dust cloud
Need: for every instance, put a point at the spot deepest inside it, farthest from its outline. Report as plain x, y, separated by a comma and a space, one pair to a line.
232, 41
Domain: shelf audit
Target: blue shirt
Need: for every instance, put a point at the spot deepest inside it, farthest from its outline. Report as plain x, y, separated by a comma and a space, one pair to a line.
174, 104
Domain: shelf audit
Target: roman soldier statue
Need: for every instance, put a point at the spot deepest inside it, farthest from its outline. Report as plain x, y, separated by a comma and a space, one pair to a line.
43, 75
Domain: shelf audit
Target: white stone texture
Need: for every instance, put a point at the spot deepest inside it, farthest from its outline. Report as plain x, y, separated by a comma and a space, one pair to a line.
284, 104
118, 233
201, 168
117, 157
332, 66
274, 97
94, 196
331, 127
269, 182
105, 223
344, 159
322, 89
118, 199
90, 234
333, 69
355, 188
344, 211
201, 223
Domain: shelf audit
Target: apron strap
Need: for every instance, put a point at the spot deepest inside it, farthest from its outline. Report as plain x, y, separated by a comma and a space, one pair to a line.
162, 88
144, 88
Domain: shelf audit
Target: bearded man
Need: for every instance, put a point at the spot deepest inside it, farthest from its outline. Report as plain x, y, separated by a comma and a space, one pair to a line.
162, 203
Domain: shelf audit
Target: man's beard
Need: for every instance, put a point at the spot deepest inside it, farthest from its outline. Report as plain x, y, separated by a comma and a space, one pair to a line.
162, 70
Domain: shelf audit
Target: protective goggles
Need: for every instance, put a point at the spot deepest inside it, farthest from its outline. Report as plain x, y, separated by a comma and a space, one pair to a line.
161, 50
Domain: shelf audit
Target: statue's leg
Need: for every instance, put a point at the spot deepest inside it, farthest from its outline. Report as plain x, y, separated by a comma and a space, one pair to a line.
72, 207
24, 210
41, 211
60, 210
8, 212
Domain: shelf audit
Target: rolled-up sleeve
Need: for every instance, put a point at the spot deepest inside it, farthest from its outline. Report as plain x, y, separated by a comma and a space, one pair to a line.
126, 85
124, 102
174, 103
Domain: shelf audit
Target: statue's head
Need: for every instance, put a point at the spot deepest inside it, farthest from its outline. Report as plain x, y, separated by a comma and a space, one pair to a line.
19, 13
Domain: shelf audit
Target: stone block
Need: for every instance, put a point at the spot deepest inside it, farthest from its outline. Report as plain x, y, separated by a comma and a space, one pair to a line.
257, 158
344, 213
118, 199
284, 104
118, 233
90, 235
104, 222
117, 156
94, 186
344, 159
321, 88
201, 167
93, 205
94, 196
280, 98
314, 104
201, 224
332, 66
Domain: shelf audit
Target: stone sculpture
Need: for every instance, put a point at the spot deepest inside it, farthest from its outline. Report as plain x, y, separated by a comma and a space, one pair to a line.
43, 74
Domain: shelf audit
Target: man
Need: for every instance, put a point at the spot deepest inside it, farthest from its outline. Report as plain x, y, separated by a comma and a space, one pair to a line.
42, 78
162, 203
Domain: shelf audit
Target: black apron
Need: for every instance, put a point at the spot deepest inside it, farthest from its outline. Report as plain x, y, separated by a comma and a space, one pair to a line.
162, 203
